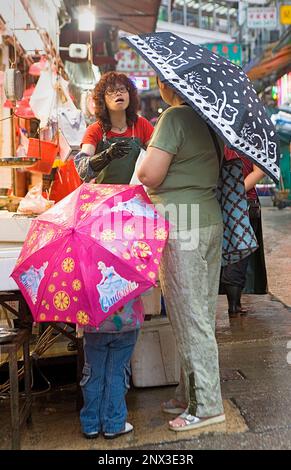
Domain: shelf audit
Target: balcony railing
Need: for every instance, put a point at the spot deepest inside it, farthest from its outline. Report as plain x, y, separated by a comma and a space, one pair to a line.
204, 15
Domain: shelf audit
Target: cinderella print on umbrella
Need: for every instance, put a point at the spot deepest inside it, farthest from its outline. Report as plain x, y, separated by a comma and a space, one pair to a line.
218, 90
112, 286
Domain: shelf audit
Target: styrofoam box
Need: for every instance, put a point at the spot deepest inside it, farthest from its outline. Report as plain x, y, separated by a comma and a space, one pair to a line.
8, 256
155, 360
151, 300
13, 229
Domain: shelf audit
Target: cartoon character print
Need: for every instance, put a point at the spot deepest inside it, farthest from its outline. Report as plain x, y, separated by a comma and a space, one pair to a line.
135, 207
175, 60
112, 287
31, 280
224, 110
264, 145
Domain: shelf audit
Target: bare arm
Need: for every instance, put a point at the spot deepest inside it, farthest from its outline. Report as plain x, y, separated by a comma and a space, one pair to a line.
89, 149
253, 178
154, 167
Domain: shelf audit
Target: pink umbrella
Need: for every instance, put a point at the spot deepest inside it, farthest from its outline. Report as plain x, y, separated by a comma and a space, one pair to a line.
91, 253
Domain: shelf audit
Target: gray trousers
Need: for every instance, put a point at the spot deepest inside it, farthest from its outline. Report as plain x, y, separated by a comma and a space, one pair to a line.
189, 280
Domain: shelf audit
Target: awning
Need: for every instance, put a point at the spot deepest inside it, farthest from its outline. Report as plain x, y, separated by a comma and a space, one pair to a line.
132, 16
274, 65
274, 62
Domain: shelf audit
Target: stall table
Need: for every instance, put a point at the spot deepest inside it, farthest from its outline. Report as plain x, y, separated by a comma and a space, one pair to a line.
18, 414
13, 301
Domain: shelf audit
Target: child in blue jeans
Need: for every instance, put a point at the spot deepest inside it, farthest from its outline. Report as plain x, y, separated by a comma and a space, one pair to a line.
106, 372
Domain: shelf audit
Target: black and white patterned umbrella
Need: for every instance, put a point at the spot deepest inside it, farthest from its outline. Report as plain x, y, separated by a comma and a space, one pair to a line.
218, 90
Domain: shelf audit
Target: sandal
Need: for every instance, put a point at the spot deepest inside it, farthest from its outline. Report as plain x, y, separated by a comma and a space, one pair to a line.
173, 407
186, 422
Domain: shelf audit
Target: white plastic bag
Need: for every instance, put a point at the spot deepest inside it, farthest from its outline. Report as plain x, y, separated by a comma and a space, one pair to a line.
49, 97
34, 202
72, 124
65, 148
134, 178
43, 99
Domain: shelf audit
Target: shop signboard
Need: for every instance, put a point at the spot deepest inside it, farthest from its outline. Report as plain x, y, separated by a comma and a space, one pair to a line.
141, 83
262, 18
232, 51
257, 2
285, 14
128, 61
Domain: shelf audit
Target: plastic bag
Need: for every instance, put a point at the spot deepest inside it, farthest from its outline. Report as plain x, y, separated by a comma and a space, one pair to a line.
49, 96
34, 202
134, 178
72, 124
66, 180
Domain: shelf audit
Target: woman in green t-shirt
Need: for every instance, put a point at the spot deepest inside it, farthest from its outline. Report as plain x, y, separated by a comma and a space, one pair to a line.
181, 171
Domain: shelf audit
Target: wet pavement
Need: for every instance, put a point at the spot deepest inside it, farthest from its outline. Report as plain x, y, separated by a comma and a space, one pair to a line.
255, 378
277, 240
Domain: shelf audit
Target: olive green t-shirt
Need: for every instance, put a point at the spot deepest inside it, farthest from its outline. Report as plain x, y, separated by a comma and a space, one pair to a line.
188, 190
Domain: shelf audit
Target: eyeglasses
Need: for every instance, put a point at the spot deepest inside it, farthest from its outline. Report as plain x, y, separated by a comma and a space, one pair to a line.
114, 91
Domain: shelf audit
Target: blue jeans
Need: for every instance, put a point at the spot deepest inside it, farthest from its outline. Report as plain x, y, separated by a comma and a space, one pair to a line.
105, 380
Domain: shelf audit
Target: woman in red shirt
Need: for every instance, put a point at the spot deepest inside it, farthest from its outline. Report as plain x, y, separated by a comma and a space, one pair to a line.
234, 276
111, 145
110, 148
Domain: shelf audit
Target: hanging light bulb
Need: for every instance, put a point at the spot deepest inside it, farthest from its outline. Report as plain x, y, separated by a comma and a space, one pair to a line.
86, 19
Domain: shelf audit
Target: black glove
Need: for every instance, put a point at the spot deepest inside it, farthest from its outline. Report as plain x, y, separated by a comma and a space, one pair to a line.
115, 151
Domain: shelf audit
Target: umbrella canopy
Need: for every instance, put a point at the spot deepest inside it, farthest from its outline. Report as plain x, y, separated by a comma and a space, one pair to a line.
218, 90
91, 253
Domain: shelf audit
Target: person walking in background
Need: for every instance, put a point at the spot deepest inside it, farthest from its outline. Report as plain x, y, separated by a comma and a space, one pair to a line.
234, 276
181, 169
111, 145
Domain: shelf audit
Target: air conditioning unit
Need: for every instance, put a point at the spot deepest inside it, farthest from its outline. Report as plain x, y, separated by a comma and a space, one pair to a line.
13, 85
78, 51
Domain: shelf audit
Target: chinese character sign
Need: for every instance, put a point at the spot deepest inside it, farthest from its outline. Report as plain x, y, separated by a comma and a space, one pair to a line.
130, 61
262, 17
231, 51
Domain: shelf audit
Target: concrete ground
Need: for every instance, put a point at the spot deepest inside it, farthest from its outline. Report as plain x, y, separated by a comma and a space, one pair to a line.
255, 378
277, 239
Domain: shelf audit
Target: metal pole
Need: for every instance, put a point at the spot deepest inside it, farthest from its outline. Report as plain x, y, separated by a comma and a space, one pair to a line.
214, 19
13, 152
169, 12
200, 15
228, 20
185, 13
